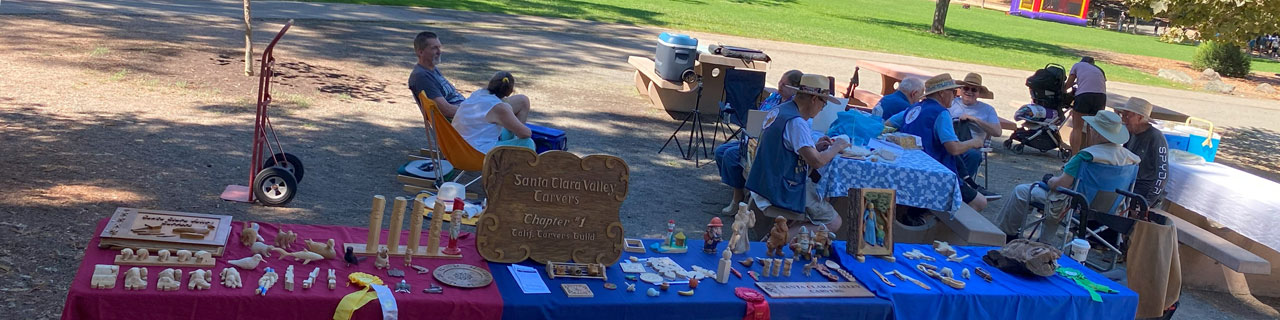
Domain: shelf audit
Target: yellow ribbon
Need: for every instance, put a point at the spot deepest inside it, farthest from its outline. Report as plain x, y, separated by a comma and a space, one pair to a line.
352, 302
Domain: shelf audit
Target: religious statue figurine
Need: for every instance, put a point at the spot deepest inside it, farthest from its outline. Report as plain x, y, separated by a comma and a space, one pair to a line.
777, 237
802, 245
822, 241
455, 227
743, 221
711, 237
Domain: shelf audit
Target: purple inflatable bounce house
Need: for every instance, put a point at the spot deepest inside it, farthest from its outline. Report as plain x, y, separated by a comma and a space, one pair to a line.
1065, 11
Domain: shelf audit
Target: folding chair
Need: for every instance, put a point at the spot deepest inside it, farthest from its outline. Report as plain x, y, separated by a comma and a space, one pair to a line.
742, 90
451, 146
1097, 184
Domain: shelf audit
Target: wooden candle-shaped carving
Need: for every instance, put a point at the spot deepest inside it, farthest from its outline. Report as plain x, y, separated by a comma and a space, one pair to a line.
397, 223
454, 226
415, 226
375, 224
433, 233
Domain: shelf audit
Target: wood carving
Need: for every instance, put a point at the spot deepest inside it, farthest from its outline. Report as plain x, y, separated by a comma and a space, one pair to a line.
285, 239
381, 261
135, 279
200, 280
552, 207
288, 277
164, 254
202, 256
325, 249
267, 281
304, 256
170, 279
230, 277
247, 263
183, 255
250, 233
777, 237
742, 223
261, 248
870, 232
104, 276
159, 230
311, 278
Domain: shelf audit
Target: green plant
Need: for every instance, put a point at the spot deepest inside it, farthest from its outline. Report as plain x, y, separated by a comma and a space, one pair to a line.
119, 75
1225, 58
99, 51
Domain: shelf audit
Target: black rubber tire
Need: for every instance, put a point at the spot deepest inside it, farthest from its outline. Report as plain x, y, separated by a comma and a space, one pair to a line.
1018, 148
1008, 144
291, 164
274, 186
1064, 154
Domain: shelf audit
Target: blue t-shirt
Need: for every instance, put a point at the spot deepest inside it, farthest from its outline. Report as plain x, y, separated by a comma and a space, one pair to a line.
773, 100
434, 84
891, 104
941, 126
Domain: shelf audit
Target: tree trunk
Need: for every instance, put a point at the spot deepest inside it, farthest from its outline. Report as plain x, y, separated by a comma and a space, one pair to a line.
248, 41
940, 17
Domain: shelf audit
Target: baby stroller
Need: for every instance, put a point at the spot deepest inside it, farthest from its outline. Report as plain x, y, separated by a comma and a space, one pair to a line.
1041, 120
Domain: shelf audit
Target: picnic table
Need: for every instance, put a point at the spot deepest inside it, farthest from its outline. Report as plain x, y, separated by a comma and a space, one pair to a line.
892, 73
920, 181
1157, 112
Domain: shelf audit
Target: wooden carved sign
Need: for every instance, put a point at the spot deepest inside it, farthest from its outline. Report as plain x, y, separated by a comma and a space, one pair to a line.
552, 207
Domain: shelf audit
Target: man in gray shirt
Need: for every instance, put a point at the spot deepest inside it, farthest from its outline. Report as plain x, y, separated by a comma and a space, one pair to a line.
426, 76
1150, 145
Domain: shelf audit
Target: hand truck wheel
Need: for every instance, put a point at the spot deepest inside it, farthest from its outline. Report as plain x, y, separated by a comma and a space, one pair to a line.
291, 164
274, 187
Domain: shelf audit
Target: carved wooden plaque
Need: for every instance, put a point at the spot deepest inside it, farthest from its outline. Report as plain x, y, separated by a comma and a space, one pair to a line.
814, 289
552, 207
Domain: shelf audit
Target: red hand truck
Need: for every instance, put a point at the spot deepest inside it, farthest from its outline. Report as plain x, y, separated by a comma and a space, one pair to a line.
273, 174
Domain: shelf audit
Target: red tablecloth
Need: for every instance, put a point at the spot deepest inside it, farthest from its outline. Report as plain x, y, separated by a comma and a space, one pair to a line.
318, 302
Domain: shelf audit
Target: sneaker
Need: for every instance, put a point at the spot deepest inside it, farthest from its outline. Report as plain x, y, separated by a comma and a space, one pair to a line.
991, 196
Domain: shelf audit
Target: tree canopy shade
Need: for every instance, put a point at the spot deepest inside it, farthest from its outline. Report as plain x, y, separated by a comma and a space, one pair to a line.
1231, 21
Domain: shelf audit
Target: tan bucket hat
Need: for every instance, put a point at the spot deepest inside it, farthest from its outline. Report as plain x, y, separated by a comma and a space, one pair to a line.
1108, 124
1136, 105
975, 80
815, 84
939, 83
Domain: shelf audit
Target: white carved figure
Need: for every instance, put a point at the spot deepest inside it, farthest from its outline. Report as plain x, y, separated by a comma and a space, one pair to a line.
285, 239
200, 280
311, 278
742, 222
126, 254
304, 256
142, 254
230, 277
183, 255
381, 262
262, 249
135, 279
333, 280
722, 270
202, 256
104, 276
323, 248
247, 263
170, 279
164, 255
288, 278
267, 281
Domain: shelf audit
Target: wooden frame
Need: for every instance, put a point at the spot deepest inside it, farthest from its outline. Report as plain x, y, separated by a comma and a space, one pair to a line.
576, 270
121, 230
871, 206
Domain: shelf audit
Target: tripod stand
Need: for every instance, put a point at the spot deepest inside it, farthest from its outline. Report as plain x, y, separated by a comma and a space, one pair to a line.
688, 153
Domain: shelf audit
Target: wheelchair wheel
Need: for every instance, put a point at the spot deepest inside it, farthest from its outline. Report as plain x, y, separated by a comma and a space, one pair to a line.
274, 186
290, 163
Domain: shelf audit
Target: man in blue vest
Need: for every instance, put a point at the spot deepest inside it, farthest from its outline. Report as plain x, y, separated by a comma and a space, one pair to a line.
783, 175
930, 120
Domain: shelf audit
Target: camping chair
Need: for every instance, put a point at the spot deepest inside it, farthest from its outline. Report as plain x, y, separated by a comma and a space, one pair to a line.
451, 146
742, 91
1096, 183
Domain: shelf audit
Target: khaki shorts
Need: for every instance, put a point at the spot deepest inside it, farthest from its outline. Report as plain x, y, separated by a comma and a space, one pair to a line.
816, 210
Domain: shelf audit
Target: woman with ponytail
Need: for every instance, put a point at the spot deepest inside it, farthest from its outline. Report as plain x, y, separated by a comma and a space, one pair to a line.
494, 117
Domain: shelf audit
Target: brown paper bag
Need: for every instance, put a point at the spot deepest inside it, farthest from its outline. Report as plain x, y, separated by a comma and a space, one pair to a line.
1152, 266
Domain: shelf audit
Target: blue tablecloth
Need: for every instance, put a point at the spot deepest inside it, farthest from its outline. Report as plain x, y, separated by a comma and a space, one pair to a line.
919, 180
1008, 297
711, 300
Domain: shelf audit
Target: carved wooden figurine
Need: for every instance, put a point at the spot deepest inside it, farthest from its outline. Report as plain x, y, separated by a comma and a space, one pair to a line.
183, 255
722, 270
267, 281
712, 236
164, 255
142, 254
261, 248
802, 245
325, 249
126, 254
202, 256
248, 263
288, 278
285, 239
333, 280
249, 233
822, 239
200, 280
170, 279
777, 237
786, 267
230, 277
738, 243
304, 256
381, 262
135, 279
104, 276
311, 278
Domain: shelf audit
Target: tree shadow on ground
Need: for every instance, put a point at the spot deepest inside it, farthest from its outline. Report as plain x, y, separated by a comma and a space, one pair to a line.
1251, 149
982, 39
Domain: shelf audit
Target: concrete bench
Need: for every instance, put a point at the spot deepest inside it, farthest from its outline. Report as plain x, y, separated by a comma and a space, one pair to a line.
970, 226
1217, 248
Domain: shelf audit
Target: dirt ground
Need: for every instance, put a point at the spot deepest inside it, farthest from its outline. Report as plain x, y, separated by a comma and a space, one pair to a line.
104, 111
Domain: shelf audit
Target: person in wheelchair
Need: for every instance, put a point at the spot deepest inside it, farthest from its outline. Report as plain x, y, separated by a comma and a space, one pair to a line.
1105, 125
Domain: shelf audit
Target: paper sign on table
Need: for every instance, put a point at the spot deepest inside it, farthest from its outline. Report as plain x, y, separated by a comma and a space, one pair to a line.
529, 279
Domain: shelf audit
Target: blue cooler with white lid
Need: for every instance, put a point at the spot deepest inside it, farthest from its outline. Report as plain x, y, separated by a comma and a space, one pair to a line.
675, 54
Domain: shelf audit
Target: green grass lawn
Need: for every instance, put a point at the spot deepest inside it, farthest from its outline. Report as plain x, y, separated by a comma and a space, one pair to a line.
894, 26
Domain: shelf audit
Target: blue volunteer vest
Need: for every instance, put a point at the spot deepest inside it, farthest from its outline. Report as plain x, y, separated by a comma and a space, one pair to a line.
919, 121
777, 173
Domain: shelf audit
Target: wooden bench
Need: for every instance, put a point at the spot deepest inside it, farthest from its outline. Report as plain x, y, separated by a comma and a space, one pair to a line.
971, 227
1217, 248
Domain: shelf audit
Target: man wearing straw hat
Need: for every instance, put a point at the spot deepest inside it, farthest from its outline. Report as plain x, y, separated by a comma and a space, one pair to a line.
1107, 127
780, 178
981, 120
1149, 144
931, 121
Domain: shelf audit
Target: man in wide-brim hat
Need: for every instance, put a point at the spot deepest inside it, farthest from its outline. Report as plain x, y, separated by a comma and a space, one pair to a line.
1149, 144
974, 119
930, 120
779, 180
1107, 127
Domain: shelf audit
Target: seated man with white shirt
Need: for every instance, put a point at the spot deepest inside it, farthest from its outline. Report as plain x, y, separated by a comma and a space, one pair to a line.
780, 181
982, 121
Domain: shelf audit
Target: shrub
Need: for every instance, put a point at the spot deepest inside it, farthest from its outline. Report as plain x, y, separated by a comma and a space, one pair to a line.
1227, 59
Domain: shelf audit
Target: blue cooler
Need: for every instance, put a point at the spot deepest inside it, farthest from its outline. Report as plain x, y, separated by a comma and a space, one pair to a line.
1196, 140
546, 139
675, 54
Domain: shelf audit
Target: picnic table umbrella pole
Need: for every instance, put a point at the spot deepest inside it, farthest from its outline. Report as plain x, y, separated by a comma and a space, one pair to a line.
273, 174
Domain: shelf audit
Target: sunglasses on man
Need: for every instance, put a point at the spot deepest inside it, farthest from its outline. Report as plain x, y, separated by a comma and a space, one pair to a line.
970, 89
